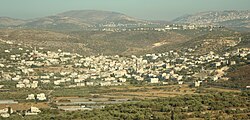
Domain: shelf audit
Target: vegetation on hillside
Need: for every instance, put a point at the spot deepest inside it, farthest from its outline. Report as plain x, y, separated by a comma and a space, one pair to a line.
211, 105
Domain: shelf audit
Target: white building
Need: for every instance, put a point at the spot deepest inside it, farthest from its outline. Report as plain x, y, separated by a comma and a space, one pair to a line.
31, 97
180, 82
89, 83
197, 83
34, 84
105, 83
45, 77
5, 115
154, 80
122, 80
33, 111
41, 97
20, 85
80, 84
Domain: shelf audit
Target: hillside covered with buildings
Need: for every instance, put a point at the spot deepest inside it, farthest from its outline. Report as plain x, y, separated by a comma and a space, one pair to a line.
107, 65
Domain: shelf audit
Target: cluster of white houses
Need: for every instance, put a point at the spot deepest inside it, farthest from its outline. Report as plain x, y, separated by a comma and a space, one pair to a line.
164, 27
32, 68
36, 68
39, 97
7, 111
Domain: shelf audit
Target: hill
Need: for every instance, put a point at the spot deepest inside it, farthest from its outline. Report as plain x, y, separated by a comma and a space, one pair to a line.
227, 18
73, 20
129, 42
219, 41
80, 20
239, 78
76, 20
55, 23
92, 42
67, 31
98, 17
7, 21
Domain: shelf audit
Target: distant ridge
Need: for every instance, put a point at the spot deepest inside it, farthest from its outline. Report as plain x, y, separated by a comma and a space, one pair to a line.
97, 17
82, 19
216, 17
7, 21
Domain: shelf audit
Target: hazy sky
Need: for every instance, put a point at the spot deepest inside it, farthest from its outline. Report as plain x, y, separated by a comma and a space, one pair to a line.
144, 9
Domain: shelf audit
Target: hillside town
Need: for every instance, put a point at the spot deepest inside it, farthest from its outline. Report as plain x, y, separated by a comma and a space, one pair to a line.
36, 67
119, 27
214, 17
